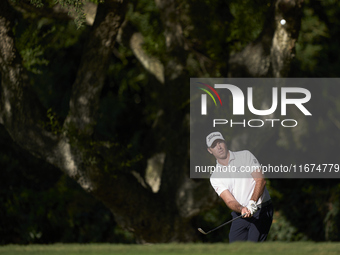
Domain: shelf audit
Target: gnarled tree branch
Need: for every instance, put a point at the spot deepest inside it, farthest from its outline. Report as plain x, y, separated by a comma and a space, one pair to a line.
56, 12
150, 63
21, 112
92, 70
134, 206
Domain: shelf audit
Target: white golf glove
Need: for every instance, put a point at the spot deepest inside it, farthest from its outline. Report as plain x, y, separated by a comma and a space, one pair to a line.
252, 207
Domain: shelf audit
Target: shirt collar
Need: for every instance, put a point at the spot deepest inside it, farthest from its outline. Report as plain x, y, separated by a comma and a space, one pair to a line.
231, 157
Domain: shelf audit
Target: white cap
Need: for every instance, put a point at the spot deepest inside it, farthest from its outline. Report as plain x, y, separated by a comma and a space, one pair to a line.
212, 137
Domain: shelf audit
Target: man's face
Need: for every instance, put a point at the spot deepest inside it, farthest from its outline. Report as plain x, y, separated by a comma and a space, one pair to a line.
219, 149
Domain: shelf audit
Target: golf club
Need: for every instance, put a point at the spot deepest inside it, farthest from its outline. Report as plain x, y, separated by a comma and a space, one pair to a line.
205, 233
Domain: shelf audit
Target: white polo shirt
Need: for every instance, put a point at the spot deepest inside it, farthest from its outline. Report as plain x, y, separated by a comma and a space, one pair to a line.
240, 184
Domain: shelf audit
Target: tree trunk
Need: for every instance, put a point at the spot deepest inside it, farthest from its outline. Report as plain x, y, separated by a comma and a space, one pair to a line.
99, 167
271, 53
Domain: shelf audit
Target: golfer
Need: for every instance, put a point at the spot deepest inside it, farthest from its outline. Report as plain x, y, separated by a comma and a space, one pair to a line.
242, 188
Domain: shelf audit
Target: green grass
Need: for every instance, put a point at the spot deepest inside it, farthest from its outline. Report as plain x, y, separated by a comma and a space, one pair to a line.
276, 248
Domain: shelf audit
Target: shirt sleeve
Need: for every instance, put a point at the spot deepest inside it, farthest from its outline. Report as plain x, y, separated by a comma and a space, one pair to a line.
218, 185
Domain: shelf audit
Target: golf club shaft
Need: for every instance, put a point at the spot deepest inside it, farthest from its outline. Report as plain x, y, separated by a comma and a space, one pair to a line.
226, 223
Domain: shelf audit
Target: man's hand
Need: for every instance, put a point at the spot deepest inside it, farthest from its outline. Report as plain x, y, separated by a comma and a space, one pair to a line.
245, 210
252, 207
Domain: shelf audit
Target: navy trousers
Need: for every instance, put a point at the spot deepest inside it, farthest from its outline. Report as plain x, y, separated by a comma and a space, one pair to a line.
253, 229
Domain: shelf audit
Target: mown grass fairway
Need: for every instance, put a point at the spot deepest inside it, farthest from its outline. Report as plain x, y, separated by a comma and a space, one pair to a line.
276, 248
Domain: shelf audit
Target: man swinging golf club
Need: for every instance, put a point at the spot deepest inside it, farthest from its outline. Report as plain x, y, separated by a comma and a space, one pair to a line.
242, 188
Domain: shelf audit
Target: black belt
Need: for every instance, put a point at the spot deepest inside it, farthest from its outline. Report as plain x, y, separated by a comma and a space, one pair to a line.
265, 204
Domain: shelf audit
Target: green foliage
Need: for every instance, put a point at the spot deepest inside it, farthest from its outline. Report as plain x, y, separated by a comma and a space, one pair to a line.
37, 3
220, 28
213, 218
76, 8
317, 46
53, 125
36, 40
309, 46
144, 15
283, 230
32, 58
60, 46
211, 29
31, 49
247, 23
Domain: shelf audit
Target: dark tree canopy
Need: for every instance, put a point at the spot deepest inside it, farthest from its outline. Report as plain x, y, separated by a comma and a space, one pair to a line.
107, 102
